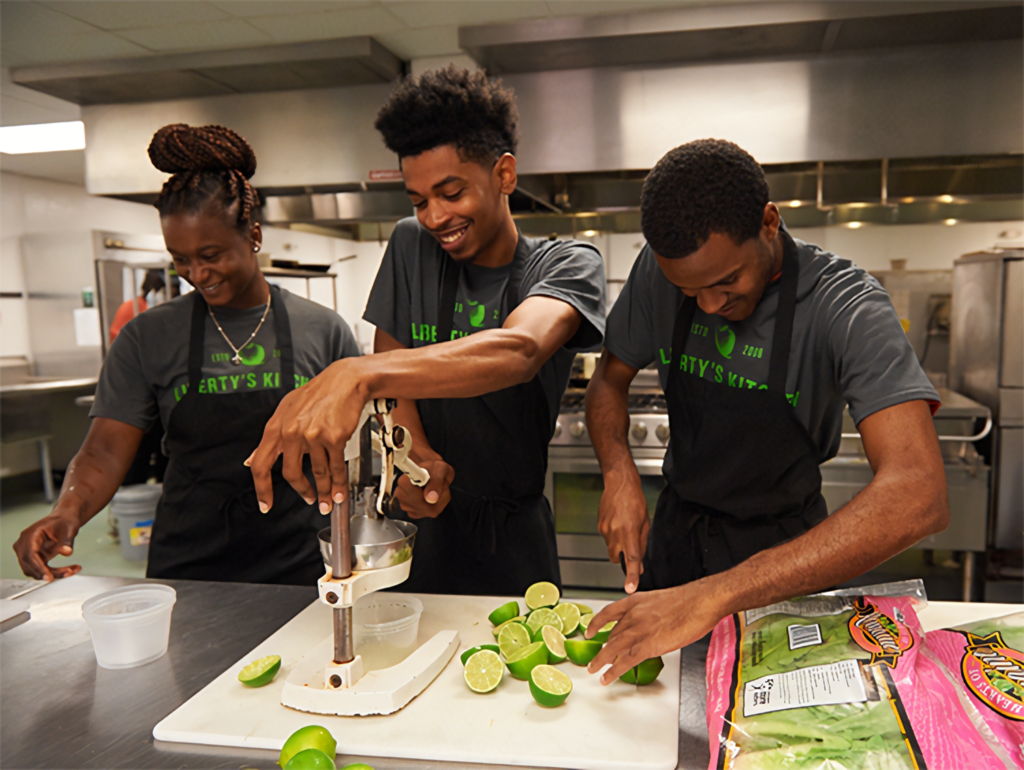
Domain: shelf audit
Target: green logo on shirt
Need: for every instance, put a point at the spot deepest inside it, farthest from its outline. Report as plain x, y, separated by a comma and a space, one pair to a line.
725, 339
252, 354
476, 317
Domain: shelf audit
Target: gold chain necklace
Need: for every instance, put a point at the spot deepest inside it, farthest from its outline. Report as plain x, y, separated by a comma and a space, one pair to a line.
237, 358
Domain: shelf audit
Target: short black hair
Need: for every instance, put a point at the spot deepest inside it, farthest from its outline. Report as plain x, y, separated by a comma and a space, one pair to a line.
450, 106
699, 188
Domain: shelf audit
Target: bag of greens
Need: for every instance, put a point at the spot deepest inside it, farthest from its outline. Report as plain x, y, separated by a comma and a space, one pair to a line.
986, 660
834, 683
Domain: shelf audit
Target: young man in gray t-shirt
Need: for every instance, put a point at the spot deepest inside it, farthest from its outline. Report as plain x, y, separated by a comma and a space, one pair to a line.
760, 341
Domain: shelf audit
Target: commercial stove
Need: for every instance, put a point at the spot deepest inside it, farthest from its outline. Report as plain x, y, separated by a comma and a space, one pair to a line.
574, 485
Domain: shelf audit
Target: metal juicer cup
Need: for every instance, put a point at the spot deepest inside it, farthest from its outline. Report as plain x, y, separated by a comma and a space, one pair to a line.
375, 555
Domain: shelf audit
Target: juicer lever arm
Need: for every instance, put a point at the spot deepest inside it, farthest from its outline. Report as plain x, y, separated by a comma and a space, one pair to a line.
417, 475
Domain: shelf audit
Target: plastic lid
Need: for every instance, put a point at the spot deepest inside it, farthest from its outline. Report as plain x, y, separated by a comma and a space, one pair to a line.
135, 493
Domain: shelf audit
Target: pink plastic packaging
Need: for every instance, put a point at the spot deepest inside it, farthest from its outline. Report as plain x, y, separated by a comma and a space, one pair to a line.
835, 683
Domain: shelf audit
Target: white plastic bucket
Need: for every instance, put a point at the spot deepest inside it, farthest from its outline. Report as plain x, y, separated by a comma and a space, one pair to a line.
134, 508
386, 628
130, 626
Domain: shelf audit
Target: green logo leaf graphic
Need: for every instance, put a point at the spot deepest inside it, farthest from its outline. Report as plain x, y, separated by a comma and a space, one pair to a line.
476, 318
252, 354
725, 339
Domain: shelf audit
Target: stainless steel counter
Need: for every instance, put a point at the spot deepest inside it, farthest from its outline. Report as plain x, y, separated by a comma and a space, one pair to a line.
60, 710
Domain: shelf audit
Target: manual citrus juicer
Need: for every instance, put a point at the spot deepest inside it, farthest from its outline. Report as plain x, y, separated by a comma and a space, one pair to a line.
366, 552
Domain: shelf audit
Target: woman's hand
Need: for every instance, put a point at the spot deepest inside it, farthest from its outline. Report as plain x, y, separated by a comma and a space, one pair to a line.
49, 537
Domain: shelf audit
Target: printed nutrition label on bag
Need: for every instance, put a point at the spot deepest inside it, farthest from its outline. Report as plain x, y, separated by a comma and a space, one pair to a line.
830, 684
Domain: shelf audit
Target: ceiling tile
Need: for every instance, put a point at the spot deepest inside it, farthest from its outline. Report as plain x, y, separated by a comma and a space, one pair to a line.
206, 36
22, 112
463, 12
416, 43
599, 7
371, 20
20, 18
40, 48
132, 14
257, 8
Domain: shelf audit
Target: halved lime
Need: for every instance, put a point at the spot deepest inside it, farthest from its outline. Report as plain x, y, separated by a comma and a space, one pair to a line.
260, 672
523, 661
555, 643
600, 636
469, 653
582, 651
357, 766
309, 737
569, 614
549, 686
584, 609
542, 595
310, 759
542, 617
513, 637
518, 619
505, 612
483, 671
644, 673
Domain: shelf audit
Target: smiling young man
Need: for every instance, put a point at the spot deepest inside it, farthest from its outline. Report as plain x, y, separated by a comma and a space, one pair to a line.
476, 331
760, 341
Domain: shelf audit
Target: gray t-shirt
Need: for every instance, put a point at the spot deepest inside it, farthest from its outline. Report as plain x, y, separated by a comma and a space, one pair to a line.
146, 371
405, 295
848, 346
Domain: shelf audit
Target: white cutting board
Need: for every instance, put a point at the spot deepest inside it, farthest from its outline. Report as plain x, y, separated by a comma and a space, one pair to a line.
618, 727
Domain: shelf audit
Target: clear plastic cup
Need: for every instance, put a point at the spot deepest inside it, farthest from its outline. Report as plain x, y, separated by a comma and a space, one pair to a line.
386, 628
130, 626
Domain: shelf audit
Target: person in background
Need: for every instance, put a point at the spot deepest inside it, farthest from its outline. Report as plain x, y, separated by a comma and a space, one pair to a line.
153, 282
476, 331
760, 341
211, 366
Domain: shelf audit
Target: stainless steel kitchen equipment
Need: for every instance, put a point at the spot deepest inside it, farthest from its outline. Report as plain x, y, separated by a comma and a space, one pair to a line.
922, 300
986, 353
574, 485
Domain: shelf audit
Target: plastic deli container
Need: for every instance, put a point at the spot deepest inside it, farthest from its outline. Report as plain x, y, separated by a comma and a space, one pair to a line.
130, 626
386, 628
134, 508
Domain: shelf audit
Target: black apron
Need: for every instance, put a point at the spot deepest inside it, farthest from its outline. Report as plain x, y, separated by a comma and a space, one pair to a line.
744, 471
497, 535
208, 525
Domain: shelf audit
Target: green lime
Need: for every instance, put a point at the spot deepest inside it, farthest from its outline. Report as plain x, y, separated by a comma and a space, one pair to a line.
523, 661
310, 759
584, 609
513, 637
554, 642
483, 671
585, 619
582, 651
505, 612
541, 595
644, 673
469, 653
308, 737
569, 614
542, 617
600, 636
518, 619
357, 766
549, 686
260, 672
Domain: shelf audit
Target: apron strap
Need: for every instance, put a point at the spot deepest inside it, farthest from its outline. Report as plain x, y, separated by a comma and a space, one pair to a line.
782, 337
196, 339
684, 319
283, 328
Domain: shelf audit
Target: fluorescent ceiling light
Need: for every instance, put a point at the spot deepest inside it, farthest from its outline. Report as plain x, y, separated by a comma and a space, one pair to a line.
42, 137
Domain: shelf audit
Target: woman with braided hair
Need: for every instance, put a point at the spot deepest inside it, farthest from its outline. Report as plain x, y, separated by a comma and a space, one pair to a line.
211, 365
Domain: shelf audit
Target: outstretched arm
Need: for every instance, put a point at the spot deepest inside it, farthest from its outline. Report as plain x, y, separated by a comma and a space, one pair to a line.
905, 502
319, 418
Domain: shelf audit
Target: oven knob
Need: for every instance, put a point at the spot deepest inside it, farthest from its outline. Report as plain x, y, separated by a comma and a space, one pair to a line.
640, 431
577, 429
662, 432
558, 429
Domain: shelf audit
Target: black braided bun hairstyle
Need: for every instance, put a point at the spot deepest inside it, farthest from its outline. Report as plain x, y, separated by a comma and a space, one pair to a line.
211, 166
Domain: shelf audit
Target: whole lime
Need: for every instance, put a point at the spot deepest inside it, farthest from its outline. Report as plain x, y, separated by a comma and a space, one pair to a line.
308, 737
310, 759
645, 672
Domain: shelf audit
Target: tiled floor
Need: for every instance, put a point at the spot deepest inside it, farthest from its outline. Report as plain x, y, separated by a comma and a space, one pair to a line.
95, 548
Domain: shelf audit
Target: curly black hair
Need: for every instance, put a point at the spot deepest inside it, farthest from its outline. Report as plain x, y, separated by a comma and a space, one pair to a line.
450, 106
699, 188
